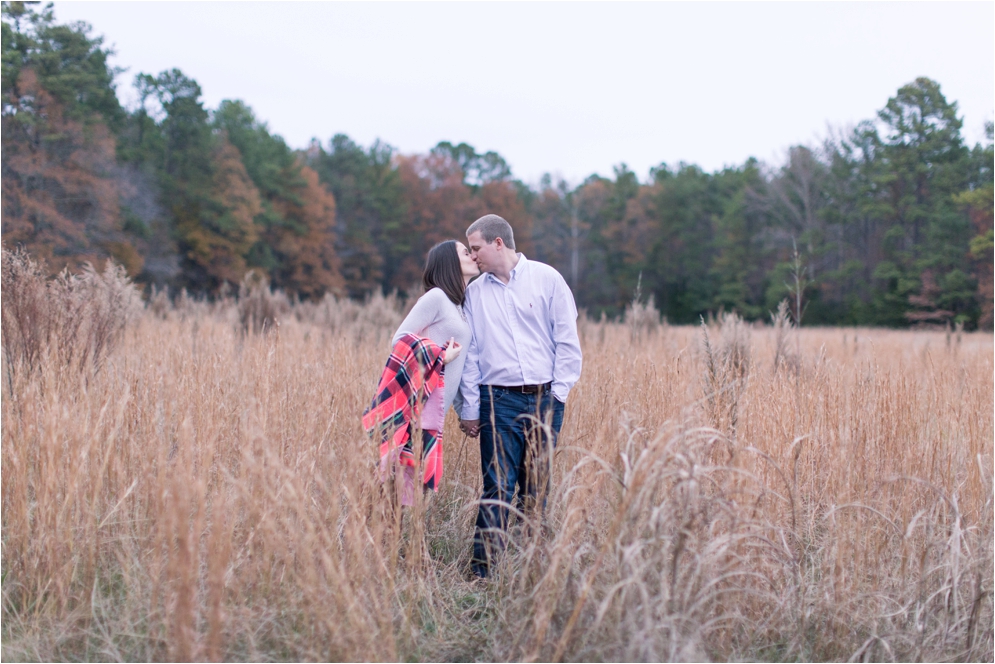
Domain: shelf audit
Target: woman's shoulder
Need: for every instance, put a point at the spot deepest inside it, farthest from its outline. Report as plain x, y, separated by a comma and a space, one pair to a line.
435, 295
435, 301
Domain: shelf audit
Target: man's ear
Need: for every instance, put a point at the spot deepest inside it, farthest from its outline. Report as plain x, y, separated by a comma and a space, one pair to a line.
499, 243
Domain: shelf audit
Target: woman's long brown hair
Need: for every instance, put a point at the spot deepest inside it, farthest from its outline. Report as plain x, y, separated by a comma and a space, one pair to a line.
442, 270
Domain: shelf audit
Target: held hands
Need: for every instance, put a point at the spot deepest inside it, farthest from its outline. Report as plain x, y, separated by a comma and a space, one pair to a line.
453, 350
470, 427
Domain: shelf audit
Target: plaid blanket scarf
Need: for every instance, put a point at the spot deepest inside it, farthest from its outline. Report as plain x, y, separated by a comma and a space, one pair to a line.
414, 370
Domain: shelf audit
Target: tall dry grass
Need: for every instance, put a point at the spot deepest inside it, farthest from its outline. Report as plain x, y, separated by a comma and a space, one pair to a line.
209, 494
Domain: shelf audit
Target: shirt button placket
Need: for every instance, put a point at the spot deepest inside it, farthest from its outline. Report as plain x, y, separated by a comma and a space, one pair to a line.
513, 319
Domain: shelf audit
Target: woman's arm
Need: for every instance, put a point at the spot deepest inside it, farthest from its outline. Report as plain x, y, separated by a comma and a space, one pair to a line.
458, 401
424, 313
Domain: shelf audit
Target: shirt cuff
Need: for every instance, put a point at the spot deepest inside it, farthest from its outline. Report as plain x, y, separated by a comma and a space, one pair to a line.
470, 411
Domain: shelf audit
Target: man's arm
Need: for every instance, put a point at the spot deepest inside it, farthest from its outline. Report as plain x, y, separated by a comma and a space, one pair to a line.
470, 382
568, 358
469, 392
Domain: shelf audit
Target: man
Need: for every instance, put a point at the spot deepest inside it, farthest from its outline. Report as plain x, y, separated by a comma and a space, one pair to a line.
524, 356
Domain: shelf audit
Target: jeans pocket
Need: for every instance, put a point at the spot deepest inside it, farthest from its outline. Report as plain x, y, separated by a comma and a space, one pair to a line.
558, 408
491, 395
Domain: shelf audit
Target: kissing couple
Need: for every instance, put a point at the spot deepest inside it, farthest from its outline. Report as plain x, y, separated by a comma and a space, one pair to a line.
495, 337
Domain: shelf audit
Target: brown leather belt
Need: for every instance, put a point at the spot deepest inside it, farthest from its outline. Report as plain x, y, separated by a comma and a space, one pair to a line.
525, 389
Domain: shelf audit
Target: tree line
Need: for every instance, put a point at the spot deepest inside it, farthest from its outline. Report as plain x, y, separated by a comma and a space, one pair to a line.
886, 223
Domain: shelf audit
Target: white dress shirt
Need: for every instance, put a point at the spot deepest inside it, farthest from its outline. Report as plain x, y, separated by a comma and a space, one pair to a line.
522, 333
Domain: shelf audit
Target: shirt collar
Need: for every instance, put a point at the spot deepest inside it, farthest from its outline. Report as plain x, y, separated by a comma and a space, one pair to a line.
516, 271
519, 268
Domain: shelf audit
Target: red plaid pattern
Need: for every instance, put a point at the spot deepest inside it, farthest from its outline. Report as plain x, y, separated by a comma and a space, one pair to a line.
414, 370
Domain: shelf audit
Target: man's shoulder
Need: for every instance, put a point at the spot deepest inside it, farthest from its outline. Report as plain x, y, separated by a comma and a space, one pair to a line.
541, 270
474, 285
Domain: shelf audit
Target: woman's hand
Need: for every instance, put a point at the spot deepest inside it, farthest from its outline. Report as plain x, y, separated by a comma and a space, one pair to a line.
470, 427
453, 349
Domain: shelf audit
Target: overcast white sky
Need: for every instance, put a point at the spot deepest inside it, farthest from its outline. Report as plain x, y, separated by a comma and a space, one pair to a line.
561, 87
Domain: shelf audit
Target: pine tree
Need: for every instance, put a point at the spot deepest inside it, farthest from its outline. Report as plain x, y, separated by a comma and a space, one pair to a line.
296, 223
60, 196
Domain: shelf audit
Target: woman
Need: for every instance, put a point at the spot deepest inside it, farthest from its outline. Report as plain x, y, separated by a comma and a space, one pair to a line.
430, 337
438, 315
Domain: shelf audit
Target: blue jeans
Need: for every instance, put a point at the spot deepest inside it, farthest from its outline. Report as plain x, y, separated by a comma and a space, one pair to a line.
515, 452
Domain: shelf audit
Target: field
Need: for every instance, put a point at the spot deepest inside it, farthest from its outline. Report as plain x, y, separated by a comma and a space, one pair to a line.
195, 485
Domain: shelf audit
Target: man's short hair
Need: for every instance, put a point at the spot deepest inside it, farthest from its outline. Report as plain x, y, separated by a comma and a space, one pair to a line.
493, 227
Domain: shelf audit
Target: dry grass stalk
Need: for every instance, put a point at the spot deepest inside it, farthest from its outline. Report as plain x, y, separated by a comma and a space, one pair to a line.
211, 495
727, 369
259, 307
642, 318
781, 322
77, 318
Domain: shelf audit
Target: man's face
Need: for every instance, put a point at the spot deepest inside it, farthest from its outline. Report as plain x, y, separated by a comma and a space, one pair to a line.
485, 255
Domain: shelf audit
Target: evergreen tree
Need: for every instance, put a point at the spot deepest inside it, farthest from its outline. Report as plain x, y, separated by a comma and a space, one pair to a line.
555, 226
924, 163
175, 140
743, 250
69, 62
979, 202
440, 205
60, 195
688, 202
296, 223
892, 220
370, 209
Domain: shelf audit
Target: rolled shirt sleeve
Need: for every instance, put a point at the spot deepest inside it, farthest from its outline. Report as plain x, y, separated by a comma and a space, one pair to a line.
567, 358
470, 382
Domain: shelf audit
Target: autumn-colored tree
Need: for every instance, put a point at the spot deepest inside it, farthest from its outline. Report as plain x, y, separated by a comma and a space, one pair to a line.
554, 226
627, 230
69, 62
592, 288
309, 265
60, 195
892, 220
296, 222
438, 205
203, 185
488, 178
60, 200
369, 209
221, 237
503, 199
980, 205
441, 205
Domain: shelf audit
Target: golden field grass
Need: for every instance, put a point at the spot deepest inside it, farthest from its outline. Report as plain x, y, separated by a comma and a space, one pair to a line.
206, 493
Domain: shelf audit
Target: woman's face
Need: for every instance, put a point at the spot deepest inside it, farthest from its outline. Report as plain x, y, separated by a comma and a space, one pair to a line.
467, 265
